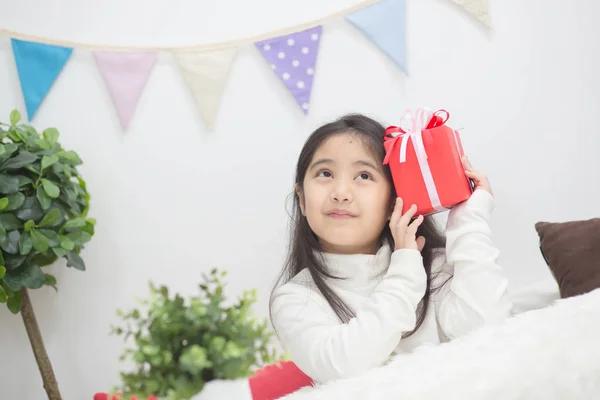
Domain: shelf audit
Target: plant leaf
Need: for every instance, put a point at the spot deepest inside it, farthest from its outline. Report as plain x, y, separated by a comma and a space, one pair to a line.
3, 203
2, 271
48, 161
25, 244
67, 244
8, 184
12, 279
15, 135
19, 161
51, 135
29, 225
50, 218
9, 293
7, 149
30, 210
43, 198
53, 237
70, 157
28, 130
15, 117
39, 241
42, 144
33, 277
71, 192
3, 295
13, 261
10, 222
73, 260
89, 227
11, 243
15, 201
79, 237
43, 259
51, 281
33, 168
51, 189
14, 303
59, 251
2, 234
24, 180
29, 276
74, 223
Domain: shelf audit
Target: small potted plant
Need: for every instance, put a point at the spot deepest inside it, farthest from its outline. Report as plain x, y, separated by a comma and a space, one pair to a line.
181, 344
43, 217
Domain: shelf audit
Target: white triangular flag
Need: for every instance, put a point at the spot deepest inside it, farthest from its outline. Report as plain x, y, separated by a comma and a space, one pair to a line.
479, 9
206, 73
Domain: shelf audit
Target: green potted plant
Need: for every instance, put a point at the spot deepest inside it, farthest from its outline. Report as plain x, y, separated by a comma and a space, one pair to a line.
43, 217
181, 344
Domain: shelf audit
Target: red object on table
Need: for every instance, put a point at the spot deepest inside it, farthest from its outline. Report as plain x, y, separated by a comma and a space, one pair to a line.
277, 380
425, 162
106, 396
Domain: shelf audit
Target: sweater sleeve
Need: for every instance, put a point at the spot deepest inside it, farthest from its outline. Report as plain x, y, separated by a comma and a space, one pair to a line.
476, 293
326, 349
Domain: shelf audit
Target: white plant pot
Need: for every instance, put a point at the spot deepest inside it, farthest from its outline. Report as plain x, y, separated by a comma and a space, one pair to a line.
237, 389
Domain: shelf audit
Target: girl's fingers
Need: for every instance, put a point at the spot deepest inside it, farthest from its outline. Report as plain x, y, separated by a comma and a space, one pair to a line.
414, 225
475, 175
397, 213
407, 217
481, 181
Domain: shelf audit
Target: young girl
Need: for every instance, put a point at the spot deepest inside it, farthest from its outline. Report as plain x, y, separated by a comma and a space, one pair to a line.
363, 282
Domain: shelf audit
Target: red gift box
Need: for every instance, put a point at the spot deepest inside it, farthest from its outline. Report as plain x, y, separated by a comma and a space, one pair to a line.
278, 380
424, 156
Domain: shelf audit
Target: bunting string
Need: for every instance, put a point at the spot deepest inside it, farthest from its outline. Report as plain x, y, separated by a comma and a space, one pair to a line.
291, 53
248, 40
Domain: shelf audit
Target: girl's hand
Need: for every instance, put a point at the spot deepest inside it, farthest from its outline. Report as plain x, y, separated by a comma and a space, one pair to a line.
481, 181
403, 230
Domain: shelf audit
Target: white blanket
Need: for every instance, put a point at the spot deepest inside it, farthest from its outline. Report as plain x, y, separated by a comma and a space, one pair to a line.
550, 353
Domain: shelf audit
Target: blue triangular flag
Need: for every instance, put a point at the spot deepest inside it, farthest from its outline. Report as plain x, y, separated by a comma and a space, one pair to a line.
384, 23
38, 66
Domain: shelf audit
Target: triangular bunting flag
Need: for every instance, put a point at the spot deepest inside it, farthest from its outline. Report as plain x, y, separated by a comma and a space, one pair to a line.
479, 9
293, 58
384, 23
125, 75
206, 74
38, 66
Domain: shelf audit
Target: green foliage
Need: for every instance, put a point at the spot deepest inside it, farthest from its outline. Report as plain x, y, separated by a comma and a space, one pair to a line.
182, 344
43, 209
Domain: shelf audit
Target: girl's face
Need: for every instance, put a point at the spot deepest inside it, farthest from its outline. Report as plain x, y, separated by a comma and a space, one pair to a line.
346, 196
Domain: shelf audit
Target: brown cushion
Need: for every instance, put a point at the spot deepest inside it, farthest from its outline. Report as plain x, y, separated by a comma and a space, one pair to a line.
572, 252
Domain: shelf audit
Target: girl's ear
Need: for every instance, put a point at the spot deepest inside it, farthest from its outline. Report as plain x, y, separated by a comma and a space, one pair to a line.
300, 195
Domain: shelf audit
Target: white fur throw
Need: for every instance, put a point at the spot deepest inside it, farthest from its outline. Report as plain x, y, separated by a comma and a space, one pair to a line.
551, 353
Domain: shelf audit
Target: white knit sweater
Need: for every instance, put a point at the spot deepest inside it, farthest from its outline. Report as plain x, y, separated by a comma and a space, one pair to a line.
384, 290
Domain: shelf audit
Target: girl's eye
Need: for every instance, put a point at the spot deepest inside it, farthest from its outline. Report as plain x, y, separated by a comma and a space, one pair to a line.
364, 175
325, 174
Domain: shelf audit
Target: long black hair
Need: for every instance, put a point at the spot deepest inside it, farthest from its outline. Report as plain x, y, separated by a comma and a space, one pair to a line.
304, 248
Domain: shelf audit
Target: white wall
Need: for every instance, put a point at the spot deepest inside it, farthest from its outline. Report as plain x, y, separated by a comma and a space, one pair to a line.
173, 200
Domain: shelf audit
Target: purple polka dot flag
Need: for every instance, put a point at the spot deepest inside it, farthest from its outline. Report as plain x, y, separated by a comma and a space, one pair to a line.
293, 58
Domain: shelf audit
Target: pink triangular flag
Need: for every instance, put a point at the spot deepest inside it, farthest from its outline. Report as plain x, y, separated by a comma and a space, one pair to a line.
125, 75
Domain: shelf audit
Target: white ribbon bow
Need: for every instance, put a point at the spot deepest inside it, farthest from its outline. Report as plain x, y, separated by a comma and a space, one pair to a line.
413, 125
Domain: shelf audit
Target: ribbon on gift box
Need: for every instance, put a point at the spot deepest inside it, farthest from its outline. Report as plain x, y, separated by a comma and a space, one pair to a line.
411, 128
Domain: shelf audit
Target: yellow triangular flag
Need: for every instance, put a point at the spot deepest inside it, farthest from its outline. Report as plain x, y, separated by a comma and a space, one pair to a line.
479, 9
206, 73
